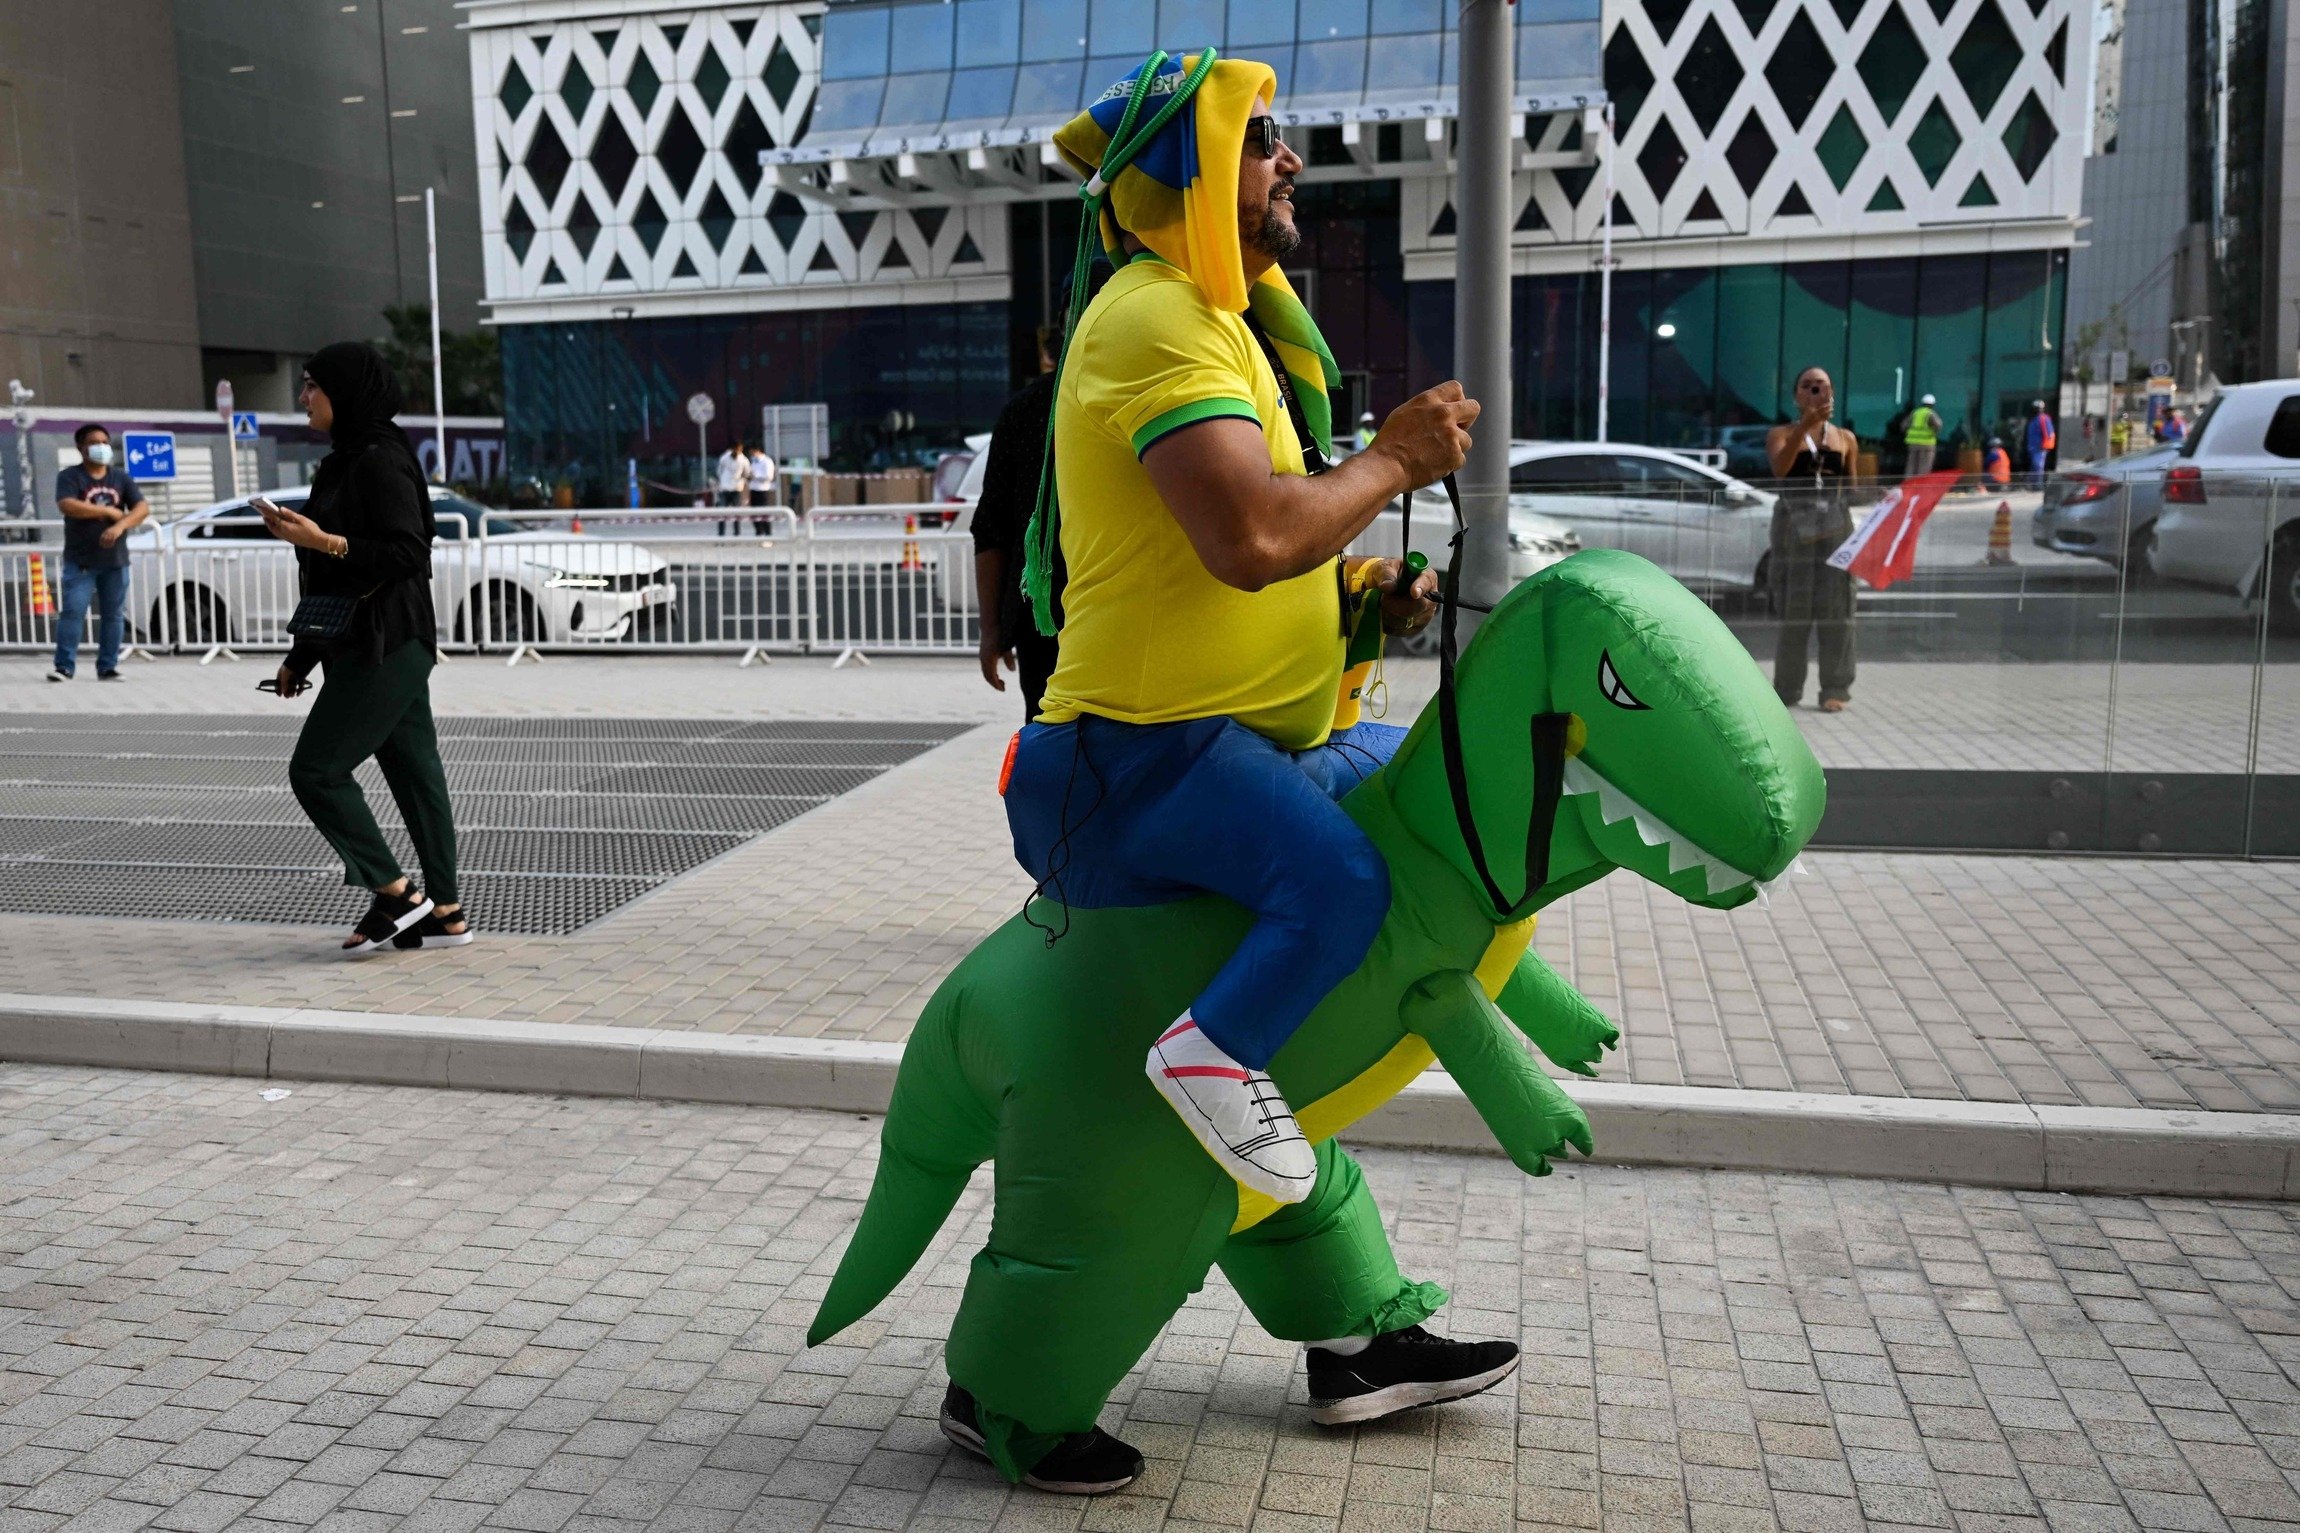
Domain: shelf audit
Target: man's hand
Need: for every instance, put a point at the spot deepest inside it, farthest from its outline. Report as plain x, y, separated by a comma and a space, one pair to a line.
111, 534
1428, 436
1410, 613
991, 651
290, 684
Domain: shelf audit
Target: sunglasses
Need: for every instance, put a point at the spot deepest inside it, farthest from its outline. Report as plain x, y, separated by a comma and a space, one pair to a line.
1262, 136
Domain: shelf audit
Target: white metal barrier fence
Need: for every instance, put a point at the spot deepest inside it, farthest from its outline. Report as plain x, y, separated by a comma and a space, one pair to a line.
751, 581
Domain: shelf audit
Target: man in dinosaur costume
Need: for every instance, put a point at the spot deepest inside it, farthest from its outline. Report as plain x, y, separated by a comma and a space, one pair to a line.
1602, 718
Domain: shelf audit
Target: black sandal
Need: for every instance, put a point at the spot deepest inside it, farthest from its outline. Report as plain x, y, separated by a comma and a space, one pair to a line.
432, 931
386, 918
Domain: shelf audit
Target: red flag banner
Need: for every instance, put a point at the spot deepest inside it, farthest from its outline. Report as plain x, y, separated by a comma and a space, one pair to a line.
1883, 548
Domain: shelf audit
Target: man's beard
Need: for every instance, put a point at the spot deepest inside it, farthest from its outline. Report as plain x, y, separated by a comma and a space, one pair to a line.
1274, 237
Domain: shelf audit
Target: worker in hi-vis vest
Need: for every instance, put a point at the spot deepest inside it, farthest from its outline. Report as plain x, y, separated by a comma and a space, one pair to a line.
2041, 438
1923, 437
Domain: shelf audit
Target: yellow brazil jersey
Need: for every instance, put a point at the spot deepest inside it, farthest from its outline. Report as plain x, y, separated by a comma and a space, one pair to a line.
1148, 636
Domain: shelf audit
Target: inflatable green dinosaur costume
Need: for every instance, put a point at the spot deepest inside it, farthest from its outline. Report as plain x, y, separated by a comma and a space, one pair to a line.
1671, 757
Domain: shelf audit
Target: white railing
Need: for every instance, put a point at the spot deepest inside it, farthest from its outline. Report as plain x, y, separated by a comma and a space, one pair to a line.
752, 581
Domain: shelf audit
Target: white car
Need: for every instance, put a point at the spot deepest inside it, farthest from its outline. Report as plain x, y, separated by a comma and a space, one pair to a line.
2231, 500
224, 579
1702, 525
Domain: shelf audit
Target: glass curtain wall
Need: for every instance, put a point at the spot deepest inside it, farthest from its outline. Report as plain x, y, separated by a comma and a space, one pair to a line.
1699, 352
902, 382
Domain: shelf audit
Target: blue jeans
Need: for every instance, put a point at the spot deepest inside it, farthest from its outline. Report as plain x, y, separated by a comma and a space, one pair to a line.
1105, 814
109, 590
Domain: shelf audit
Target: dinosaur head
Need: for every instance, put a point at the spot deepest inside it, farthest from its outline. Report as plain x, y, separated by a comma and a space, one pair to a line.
1680, 764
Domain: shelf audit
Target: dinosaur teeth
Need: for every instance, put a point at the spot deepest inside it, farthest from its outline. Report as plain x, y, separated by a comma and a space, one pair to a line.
1614, 806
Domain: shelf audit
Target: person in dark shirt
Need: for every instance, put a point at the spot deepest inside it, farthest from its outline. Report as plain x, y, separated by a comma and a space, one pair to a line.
366, 533
101, 506
1010, 636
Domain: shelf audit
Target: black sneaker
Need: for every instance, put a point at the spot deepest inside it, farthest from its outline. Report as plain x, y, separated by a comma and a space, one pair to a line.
1402, 1370
387, 916
1082, 1464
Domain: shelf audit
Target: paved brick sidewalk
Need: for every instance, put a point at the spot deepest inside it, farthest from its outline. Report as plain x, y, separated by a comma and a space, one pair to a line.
364, 1308
2071, 981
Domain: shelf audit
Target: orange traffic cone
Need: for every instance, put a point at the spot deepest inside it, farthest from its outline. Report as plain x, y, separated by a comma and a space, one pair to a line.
2000, 535
43, 600
910, 559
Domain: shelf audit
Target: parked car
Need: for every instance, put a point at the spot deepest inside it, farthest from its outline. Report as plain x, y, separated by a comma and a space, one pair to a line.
1702, 525
228, 581
1744, 449
2231, 513
2105, 510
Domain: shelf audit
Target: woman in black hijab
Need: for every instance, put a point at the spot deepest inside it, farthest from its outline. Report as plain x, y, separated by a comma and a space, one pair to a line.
366, 534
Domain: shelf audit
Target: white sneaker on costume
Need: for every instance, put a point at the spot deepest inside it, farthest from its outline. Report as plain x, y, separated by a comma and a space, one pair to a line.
1236, 1113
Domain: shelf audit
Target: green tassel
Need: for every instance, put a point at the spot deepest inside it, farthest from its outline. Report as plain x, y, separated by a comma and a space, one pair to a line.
1044, 535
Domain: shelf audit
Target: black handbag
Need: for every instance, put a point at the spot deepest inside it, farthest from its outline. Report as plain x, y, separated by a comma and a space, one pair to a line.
325, 615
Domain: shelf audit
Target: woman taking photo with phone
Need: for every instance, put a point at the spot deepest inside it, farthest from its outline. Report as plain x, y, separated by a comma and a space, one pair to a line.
363, 556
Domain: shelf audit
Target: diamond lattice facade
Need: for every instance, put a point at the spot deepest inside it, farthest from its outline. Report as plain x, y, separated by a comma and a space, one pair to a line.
857, 204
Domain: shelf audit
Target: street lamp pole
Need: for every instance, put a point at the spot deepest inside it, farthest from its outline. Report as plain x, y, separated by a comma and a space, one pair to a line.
438, 370
1484, 152
1605, 281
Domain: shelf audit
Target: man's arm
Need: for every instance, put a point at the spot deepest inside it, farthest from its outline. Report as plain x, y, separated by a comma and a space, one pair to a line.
137, 515
1253, 527
77, 509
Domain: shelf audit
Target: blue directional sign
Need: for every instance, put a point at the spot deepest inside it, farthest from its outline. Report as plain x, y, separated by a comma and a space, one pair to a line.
150, 454
244, 425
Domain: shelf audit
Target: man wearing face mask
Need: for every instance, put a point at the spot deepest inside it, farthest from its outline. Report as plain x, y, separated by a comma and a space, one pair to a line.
101, 506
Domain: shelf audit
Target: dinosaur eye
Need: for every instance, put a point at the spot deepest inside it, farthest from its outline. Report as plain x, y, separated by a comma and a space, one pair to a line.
1609, 682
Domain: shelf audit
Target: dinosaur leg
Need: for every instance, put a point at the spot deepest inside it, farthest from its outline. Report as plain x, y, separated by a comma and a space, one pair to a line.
1557, 1017
1322, 1268
1089, 1255
1528, 1112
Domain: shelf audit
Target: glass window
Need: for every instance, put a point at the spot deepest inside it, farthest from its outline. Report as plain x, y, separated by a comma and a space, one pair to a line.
1882, 336
915, 98
1327, 69
923, 40
989, 32
1054, 29
1814, 297
1124, 26
1749, 382
1573, 468
1952, 298
2023, 358
1048, 90
1331, 18
1394, 16
2284, 428
1259, 23
854, 42
1565, 51
1404, 64
976, 94
845, 105
1185, 26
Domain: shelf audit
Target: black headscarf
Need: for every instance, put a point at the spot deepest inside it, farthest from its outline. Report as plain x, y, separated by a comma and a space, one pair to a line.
364, 393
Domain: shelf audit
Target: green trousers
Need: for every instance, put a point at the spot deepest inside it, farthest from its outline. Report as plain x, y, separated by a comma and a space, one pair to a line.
382, 711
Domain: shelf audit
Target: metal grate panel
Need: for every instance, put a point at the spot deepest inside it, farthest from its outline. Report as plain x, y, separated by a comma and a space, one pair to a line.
560, 821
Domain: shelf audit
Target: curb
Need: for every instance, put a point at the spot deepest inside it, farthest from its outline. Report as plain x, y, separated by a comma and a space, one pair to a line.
1989, 1144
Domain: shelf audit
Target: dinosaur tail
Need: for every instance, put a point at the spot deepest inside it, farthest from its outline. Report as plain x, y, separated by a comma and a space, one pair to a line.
937, 1131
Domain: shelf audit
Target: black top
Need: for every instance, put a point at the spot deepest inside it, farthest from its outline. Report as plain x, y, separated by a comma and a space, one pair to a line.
1812, 519
1009, 492
381, 508
84, 536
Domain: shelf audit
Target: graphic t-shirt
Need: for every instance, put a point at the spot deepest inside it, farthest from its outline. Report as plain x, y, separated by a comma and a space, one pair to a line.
1148, 635
84, 537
